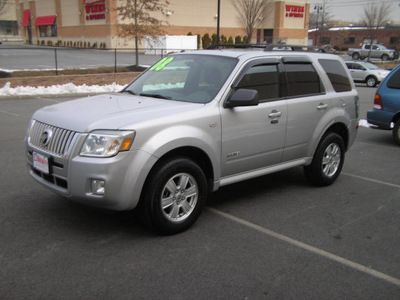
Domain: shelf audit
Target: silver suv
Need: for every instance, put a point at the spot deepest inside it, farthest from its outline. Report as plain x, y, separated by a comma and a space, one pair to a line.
192, 123
366, 72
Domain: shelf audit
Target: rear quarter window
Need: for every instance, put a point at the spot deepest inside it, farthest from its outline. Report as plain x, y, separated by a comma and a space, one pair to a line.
394, 80
337, 75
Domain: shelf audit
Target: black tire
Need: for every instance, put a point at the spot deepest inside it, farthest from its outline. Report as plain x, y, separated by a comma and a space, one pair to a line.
170, 208
396, 132
371, 81
385, 57
356, 56
327, 162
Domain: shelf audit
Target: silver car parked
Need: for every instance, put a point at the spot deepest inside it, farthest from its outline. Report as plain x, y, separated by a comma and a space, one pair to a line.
193, 123
366, 72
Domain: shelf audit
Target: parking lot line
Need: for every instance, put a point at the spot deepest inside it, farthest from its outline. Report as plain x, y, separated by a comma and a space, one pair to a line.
9, 113
309, 248
372, 180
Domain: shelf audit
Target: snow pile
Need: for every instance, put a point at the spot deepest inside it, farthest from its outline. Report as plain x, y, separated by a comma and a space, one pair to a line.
68, 88
364, 123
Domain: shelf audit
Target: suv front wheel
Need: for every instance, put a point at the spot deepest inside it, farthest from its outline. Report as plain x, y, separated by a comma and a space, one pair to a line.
327, 162
174, 196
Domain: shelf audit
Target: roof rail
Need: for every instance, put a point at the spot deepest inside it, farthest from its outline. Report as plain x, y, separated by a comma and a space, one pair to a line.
271, 47
241, 46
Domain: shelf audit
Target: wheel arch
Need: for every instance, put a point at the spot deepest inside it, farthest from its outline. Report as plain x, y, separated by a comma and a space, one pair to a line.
340, 129
396, 117
193, 153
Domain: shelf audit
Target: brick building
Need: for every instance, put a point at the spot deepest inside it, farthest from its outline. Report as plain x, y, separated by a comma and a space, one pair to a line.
353, 37
96, 21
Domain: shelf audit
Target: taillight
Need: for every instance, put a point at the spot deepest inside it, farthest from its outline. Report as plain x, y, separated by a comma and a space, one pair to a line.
378, 102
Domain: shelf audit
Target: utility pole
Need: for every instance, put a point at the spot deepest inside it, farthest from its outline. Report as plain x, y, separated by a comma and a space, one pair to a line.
218, 20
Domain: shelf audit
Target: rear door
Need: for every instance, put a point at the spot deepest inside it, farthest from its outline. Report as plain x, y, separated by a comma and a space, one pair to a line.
307, 105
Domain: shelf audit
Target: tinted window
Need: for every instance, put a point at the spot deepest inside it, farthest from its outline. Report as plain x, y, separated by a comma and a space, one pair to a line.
264, 79
394, 80
302, 79
337, 74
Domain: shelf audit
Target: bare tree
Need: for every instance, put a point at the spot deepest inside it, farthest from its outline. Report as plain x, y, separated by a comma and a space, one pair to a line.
375, 16
3, 4
320, 15
140, 20
251, 14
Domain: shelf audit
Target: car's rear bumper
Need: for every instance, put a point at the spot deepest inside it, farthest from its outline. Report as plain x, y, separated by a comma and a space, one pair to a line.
382, 119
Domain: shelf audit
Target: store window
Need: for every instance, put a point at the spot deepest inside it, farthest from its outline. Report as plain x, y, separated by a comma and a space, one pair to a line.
8, 28
394, 40
349, 40
48, 30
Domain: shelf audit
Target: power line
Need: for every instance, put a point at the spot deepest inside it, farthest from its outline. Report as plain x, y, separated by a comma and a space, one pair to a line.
352, 3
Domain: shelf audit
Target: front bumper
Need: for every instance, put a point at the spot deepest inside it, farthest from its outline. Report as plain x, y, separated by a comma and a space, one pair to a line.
124, 176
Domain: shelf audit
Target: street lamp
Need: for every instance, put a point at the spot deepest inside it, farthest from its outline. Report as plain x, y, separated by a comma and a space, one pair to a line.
317, 7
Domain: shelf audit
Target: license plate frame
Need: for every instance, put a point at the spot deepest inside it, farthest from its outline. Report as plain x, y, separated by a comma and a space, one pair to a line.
41, 163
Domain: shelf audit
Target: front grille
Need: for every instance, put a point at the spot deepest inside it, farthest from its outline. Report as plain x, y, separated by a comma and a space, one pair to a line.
59, 142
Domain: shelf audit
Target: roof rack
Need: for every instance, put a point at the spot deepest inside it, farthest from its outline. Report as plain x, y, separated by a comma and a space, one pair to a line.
271, 47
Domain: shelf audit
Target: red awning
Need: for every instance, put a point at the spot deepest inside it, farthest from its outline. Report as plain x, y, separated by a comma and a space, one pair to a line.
27, 15
48, 20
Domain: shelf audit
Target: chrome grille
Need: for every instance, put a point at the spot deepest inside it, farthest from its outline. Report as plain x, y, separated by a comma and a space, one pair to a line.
59, 142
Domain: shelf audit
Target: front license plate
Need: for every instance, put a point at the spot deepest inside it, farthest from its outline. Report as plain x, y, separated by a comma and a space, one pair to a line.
41, 163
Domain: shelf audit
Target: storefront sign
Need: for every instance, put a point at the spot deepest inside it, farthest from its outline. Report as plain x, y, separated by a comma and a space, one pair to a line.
95, 9
294, 11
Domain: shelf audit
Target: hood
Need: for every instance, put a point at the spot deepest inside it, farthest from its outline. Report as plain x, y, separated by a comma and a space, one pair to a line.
109, 112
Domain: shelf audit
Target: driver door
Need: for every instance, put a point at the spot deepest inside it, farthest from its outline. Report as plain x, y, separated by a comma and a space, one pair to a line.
253, 137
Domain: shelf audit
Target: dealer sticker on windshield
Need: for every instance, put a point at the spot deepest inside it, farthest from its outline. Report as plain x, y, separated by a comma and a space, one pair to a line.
41, 162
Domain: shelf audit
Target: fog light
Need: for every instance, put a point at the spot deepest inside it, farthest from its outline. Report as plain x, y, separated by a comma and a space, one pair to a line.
98, 187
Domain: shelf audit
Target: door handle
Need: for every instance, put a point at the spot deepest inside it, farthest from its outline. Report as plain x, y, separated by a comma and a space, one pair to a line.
275, 114
322, 106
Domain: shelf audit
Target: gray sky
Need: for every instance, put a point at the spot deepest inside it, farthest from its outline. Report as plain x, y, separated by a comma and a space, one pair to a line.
352, 10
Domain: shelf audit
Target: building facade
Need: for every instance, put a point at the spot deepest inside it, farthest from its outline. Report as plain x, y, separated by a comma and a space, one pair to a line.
353, 37
9, 28
73, 22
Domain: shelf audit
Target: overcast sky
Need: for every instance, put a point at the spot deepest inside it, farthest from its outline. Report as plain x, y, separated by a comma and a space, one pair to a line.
352, 10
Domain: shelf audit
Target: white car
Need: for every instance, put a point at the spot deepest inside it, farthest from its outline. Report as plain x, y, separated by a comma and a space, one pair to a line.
366, 72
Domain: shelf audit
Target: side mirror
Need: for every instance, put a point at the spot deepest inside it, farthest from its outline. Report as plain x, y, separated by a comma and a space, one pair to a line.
242, 97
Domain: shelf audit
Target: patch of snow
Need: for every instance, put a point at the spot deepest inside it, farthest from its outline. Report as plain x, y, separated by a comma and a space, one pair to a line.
364, 123
68, 88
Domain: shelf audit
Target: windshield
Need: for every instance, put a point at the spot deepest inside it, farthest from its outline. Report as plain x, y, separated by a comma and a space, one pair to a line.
371, 66
184, 77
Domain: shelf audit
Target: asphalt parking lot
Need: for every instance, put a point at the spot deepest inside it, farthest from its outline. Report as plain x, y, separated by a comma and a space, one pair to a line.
274, 237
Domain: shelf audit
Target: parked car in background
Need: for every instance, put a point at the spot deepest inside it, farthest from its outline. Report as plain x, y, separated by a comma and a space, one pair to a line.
366, 72
386, 111
377, 51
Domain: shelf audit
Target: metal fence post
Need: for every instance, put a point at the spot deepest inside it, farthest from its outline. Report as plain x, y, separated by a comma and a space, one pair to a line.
115, 60
55, 56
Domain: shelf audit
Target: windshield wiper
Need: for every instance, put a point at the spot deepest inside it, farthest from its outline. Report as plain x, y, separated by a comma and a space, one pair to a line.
155, 96
128, 91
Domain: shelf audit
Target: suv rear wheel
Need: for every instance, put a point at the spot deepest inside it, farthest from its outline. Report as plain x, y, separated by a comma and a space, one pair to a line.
327, 162
356, 56
371, 81
396, 132
174, 196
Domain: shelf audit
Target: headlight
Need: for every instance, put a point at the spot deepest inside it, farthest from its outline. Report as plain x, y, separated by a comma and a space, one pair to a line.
107, 143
